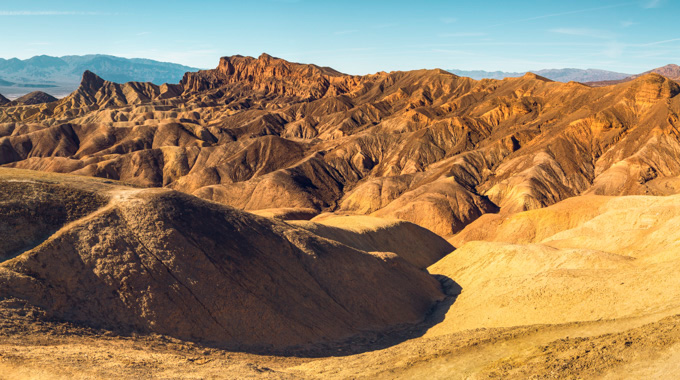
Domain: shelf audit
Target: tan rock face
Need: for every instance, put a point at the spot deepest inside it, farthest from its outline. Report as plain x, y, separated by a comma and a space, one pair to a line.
424, 146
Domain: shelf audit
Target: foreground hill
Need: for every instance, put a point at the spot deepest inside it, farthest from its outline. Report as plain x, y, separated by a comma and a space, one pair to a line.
134, 260
423, 146
586, 258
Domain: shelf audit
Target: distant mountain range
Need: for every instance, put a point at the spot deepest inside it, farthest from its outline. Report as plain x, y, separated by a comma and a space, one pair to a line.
559, 75
669, 71
59, 76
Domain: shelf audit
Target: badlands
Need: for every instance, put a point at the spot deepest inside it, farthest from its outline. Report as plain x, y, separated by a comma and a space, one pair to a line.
282, 220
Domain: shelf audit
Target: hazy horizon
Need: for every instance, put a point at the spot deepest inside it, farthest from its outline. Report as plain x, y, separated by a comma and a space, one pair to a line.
353, 37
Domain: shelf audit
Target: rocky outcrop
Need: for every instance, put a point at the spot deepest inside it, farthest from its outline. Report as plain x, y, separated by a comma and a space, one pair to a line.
3, 100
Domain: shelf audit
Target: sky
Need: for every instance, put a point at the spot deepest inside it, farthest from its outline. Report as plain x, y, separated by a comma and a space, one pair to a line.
355, 37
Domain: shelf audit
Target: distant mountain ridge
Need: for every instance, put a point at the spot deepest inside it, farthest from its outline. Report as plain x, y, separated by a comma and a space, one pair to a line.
59, 76
670, 71
558, 75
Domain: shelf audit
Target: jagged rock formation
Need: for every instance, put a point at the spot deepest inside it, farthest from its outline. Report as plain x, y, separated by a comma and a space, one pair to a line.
156, 260
424, 146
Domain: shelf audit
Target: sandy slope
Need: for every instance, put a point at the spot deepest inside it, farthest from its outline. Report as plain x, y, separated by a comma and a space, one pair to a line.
413, 243
589, 258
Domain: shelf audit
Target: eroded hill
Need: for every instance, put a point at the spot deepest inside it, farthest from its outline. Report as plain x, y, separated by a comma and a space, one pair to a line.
423, 146
585, 288
126, 259
265, 133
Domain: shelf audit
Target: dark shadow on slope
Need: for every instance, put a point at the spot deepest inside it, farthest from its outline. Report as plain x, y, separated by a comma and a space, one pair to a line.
373, 341
357, 344
367, 341
6, 255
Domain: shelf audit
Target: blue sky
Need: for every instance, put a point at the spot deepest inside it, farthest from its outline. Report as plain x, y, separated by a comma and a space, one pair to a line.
356, 37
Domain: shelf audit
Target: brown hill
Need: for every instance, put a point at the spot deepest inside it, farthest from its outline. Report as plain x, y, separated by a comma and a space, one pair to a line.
3, 100
33, 98
422, 146
161, 261
585, 288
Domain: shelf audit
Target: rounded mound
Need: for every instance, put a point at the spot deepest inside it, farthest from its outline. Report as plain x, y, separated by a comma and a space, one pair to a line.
161, 261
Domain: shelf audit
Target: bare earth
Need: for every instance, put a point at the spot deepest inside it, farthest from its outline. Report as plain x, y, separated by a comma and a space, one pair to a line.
462, 336
637, 348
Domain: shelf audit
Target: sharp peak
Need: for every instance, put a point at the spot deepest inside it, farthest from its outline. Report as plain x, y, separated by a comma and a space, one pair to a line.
91, 81
265, 56
90, 75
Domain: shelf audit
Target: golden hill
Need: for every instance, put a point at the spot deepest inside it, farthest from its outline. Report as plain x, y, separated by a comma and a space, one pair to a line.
581, 289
